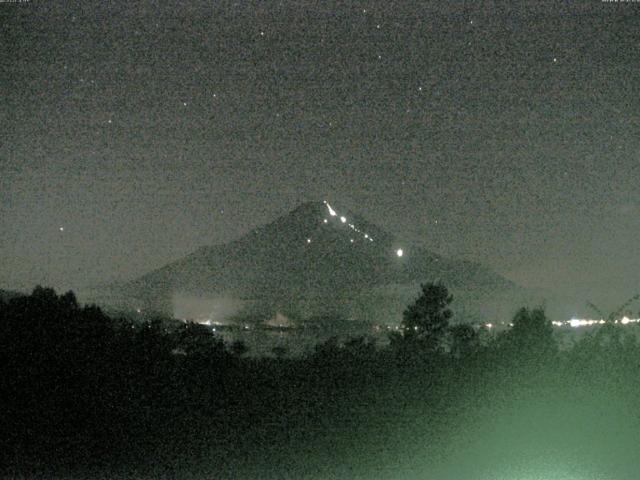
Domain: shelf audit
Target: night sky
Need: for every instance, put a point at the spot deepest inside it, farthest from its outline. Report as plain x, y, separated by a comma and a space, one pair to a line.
135, 132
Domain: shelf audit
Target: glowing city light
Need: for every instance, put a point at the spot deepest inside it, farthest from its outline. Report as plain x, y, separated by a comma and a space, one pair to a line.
399, 252
343, 220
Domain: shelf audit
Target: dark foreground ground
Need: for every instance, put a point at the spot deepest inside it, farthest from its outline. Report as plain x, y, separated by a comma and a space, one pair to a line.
89, 397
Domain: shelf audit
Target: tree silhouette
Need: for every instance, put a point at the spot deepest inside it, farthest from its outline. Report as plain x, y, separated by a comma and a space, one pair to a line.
426, 320
360, 346
198, 340
531, 337
465, 340
280, 351
239, 348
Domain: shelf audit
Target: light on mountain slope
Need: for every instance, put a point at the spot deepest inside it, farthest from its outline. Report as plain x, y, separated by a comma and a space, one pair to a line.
331, 210
343, 219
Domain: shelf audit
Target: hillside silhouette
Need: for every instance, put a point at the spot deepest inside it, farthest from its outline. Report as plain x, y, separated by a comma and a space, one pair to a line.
310, 262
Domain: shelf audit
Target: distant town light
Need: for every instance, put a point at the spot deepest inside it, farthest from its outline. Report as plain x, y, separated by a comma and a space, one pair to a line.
343, 220
399, 252
308, 240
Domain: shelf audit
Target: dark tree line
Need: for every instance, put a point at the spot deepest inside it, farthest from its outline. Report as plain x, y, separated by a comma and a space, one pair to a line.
86, 391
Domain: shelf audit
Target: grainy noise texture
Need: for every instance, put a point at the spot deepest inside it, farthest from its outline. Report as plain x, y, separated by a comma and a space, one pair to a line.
135, 132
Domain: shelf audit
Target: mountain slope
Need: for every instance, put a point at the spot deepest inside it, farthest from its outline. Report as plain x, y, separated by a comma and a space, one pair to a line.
312, 260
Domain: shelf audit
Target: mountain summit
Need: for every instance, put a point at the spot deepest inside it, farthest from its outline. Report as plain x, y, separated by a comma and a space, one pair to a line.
316, 259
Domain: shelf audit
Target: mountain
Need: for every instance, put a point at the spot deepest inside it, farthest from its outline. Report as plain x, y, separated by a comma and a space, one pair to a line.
314, 261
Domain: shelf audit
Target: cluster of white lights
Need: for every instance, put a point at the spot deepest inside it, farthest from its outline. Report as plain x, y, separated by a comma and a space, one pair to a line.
575, 322
580, 322
343, 219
